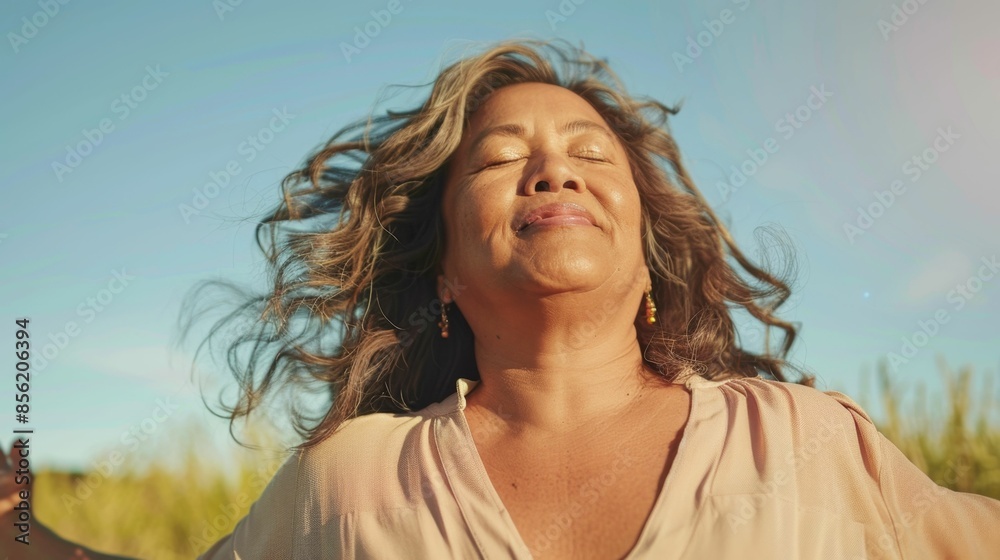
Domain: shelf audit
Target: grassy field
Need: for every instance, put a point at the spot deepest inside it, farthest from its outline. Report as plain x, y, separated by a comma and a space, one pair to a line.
953, 437
138, 509
159, 507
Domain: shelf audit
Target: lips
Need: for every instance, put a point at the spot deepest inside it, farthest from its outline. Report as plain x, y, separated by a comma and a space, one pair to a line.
555, 213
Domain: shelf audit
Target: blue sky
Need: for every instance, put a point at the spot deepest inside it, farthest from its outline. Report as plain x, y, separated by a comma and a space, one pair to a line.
116, 113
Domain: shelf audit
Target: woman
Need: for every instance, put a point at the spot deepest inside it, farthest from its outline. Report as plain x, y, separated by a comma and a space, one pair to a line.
583, 393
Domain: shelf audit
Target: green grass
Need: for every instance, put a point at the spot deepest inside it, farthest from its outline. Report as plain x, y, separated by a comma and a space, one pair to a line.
147, 510
169, 500
952, 436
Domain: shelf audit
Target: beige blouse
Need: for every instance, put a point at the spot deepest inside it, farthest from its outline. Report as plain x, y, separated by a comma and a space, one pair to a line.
763, 470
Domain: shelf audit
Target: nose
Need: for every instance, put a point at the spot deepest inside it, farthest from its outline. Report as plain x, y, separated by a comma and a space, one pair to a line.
552, 174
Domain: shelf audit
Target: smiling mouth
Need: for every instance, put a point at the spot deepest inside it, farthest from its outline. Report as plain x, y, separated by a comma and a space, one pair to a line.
560, 220
557, 214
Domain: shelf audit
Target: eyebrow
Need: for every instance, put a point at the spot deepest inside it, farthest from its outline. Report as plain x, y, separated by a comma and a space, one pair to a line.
517, 131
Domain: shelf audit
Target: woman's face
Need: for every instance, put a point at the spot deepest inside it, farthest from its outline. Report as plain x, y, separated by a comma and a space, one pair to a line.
540, 154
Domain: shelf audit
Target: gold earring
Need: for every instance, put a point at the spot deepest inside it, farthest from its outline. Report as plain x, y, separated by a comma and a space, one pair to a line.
650, 308
443, 323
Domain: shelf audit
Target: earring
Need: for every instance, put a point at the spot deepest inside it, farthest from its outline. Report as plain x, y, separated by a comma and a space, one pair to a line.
443, 323
650, 308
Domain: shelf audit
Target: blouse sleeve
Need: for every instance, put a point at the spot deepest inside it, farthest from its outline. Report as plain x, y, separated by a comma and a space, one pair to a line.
930, 521
268, 529
927, 520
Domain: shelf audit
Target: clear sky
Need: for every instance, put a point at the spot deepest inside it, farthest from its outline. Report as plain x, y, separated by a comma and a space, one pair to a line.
117, 114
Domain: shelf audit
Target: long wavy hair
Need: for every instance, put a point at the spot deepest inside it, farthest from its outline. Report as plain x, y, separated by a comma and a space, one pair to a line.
354, 247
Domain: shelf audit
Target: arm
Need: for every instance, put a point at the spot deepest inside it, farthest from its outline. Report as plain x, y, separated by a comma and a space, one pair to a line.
925, 520
930, 521
45, 544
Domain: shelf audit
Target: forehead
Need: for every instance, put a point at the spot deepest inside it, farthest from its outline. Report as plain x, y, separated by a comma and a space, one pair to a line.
527, 103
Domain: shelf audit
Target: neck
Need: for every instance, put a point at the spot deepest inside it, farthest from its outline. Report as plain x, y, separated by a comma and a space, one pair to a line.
559, 365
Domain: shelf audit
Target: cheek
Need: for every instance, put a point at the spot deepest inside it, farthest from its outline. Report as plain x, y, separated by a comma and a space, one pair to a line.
482, 213
467, 226
470, 221
631, 202
622, 202
635, 211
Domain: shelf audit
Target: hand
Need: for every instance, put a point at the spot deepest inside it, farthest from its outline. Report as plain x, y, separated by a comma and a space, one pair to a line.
10, 493
44, 544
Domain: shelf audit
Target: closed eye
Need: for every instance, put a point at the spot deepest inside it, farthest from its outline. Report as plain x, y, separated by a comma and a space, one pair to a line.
591, 156
501, 163
588, 155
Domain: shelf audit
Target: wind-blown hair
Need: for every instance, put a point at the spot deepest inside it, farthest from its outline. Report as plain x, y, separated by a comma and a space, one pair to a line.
354, 249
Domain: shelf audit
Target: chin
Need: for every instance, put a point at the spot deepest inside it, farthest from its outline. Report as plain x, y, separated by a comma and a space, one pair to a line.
566, 270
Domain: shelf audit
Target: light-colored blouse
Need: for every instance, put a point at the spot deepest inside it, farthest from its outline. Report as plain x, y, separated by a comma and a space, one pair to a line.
764, 470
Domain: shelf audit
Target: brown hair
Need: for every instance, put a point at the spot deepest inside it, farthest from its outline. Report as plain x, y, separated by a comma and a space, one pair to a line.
354, 250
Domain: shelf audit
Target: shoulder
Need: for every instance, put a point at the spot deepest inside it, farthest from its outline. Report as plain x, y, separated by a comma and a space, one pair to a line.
372, 462
369, 464
767, 399
793, 429
802, 413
